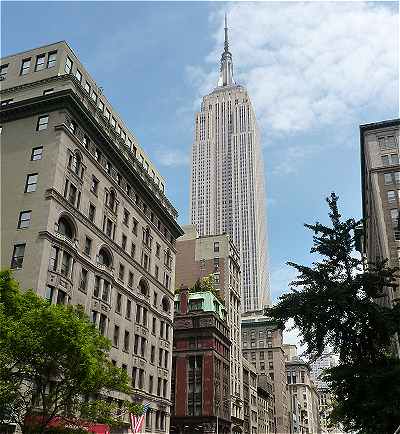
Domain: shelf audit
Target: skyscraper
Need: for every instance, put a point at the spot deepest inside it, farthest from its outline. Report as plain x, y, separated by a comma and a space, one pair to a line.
227, 181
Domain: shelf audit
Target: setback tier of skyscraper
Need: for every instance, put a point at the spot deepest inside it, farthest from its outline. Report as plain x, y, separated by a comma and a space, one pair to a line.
227, 181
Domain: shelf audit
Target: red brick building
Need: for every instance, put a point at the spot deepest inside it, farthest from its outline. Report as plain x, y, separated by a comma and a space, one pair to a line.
200, 388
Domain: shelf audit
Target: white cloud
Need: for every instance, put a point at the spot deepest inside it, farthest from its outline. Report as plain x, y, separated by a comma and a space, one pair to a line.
309, 66
172, 157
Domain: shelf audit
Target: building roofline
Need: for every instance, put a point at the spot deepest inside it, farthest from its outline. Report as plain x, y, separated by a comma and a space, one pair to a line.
38, 48
364, 128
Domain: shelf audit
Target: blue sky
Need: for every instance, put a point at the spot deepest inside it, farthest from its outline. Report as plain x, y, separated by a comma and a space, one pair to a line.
315, 72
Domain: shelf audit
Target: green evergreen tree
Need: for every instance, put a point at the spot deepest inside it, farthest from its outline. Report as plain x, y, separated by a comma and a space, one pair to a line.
53, 362
338, 303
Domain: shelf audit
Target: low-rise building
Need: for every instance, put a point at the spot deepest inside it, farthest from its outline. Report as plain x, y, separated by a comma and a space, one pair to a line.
265, 396
200, 366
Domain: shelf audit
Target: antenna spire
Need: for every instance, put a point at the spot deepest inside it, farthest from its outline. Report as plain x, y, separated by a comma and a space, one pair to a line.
226, 43
226, 69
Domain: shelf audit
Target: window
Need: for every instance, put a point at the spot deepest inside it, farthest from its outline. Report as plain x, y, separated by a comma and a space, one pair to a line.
66, 264
18, 256
123, 241
108, 114
135, 226
152, 353
75, 163
92, 212
216, 246
128, 309
160, 356
96, 289
101, 105
394, 214
121, 273
48, 91
49, 293
3, 71
5, 102
126, 340
390, 160
194, 390
388, 178
133, 250
130, 279
61, 297
196, 304
68, 66
87, 87
40, 62
156, 271
42, 123
391, 195
54, 255
136, 344
126, 217
86, 141
134, 372
31, 182
78, 75
26, 64
24, 220
51, 60
106, 291
37, 153
151, 380
102, 324
83, 280
88, 246
94, 96
158, 250
94, 185
118, 303
113, 122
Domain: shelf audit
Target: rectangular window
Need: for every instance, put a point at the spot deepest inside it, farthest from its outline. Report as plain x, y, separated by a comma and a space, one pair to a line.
49, 293
68, 65
94, 186
194, 389
51, 60
78, 75
61, 297
24, 220
133, 250
37, 153
151, 380
66, 264
3, 71
87, 87
126, 340
107, 114
123, 241
48, 91
152, 353
42, 123
118, 303
130, 279
83, 280
135, 226
106, 291
26, 64
96, 289
113, 122
128, 309
391, 195
40, 62
88, 246
216, 246
101, 105
18, 256
94, 96
92, 213
126, 217
121, 273
102, 324
156, 271
31, 182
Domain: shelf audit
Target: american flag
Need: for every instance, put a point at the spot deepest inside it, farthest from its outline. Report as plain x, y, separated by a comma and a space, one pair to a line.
137, 421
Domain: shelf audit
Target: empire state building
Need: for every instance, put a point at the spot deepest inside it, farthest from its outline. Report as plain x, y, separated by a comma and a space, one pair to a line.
227, 180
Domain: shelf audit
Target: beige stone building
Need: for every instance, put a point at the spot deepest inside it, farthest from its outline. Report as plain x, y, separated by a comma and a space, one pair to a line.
302, 398
262, 345
198, 257
250, 398
380, 176
227, 192
84, 217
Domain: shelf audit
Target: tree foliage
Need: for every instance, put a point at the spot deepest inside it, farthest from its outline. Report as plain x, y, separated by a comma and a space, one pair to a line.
53, 362
338, 303
206, 283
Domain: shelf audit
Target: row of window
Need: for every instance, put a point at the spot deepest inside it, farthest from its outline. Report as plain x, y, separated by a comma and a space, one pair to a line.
113, 121
40, 63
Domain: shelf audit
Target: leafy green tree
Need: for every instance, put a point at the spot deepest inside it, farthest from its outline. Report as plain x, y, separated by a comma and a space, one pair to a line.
338, 303
53, 362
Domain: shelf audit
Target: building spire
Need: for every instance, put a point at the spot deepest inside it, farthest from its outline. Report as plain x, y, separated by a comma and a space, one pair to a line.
226, 70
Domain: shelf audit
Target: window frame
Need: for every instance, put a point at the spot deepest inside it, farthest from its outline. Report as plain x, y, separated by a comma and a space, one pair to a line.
27, 183
20, 220
33, 154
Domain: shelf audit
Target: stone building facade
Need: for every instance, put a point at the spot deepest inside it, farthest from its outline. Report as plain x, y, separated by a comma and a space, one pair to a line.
200, 374
263, 346
198, 257
250, 398
380, 178
302, 390
84, 217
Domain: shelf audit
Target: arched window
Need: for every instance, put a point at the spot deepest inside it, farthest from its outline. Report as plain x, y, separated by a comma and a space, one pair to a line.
144, 287
65, 227
166, 305
104, 257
